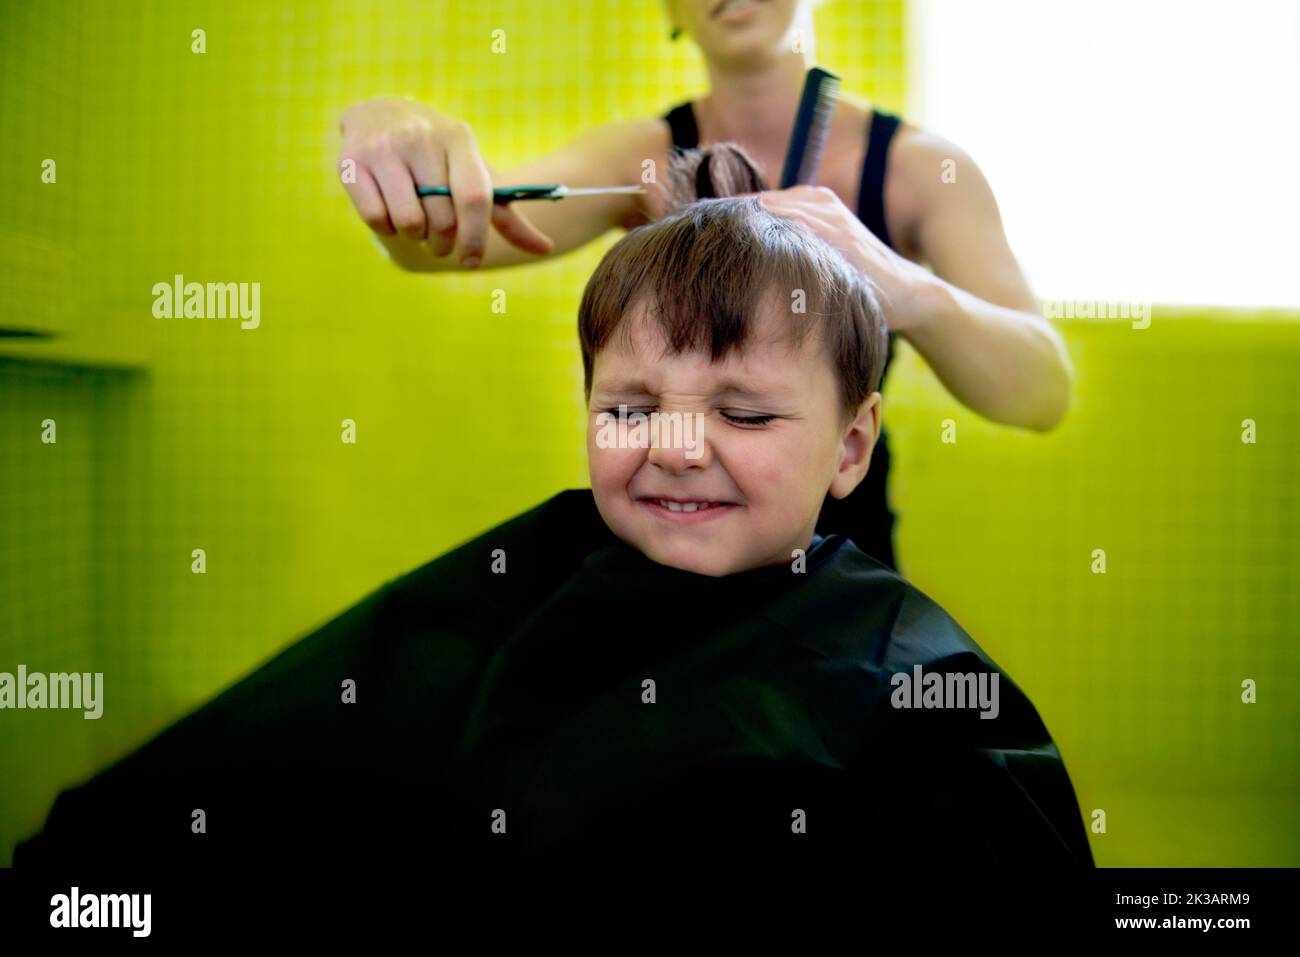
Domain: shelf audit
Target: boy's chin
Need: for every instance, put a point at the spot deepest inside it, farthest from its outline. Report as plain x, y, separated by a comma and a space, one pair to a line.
715, 566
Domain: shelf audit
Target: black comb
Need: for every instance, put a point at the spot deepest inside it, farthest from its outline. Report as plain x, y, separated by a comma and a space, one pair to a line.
811, 124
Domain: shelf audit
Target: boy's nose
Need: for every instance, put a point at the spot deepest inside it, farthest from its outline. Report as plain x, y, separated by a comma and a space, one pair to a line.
678, 443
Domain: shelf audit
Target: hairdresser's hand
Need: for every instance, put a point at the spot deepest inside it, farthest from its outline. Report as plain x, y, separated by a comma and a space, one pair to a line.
397, 144
901, 282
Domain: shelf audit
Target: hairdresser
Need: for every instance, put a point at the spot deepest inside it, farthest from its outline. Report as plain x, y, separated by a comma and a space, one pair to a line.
909, 208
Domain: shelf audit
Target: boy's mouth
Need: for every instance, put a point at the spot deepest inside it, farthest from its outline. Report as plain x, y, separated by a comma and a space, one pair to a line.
687, 509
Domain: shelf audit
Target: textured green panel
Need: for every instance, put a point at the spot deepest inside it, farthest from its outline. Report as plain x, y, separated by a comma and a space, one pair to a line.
221, 167
1138, 671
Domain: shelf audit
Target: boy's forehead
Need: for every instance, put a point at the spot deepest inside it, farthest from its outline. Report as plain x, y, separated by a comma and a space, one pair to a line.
770, 323
769, 363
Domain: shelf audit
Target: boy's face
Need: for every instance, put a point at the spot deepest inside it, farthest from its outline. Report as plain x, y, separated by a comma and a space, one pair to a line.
765, 479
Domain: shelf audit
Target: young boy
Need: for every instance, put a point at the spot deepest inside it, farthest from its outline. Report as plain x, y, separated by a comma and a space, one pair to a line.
665, 666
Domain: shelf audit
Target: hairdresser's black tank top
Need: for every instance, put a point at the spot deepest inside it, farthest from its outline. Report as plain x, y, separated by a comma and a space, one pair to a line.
865, 516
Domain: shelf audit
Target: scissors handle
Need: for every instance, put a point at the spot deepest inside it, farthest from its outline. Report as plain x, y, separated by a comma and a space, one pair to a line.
504, 194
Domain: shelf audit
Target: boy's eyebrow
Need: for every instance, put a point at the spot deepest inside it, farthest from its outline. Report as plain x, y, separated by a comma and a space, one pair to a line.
726, 387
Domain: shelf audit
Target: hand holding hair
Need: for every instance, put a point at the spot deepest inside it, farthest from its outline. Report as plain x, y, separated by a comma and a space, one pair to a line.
725, 169
900, 283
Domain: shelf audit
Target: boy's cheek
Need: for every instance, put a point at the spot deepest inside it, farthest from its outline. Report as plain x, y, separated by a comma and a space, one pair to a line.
612, 468
757, 468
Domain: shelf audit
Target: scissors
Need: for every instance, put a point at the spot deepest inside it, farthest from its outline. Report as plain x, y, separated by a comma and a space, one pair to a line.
508, 194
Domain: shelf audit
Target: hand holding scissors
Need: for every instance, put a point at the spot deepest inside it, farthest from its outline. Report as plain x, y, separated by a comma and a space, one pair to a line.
392, 148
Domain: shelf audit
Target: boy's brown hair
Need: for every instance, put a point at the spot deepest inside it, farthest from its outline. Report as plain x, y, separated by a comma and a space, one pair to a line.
705, 269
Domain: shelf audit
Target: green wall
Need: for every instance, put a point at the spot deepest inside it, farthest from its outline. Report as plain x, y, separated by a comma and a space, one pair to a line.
179, 434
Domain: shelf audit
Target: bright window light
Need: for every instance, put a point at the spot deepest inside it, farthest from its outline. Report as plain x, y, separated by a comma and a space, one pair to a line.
1140, 150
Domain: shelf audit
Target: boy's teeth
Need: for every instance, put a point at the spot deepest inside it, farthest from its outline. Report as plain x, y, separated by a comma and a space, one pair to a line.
683, 506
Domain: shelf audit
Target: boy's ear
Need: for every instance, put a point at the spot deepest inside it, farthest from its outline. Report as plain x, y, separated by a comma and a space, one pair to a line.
856, 446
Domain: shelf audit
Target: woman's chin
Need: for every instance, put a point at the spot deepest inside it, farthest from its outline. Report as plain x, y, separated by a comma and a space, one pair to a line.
747, 46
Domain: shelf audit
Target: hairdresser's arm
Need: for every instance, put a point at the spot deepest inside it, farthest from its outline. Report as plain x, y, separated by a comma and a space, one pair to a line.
568, 224
399, 143
975, 319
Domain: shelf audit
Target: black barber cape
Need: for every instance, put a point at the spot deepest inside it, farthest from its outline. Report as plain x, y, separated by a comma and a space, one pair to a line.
589, 701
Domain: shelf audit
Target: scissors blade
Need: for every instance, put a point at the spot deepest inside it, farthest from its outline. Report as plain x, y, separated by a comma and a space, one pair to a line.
510, 194
596, 190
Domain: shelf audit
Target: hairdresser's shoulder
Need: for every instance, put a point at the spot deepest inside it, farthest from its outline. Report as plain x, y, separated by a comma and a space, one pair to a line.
637, 138
913, 190
633, 143
623, 143
916, 151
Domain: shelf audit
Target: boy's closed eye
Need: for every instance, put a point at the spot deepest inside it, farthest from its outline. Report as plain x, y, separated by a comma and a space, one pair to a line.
736, 417
747, 419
